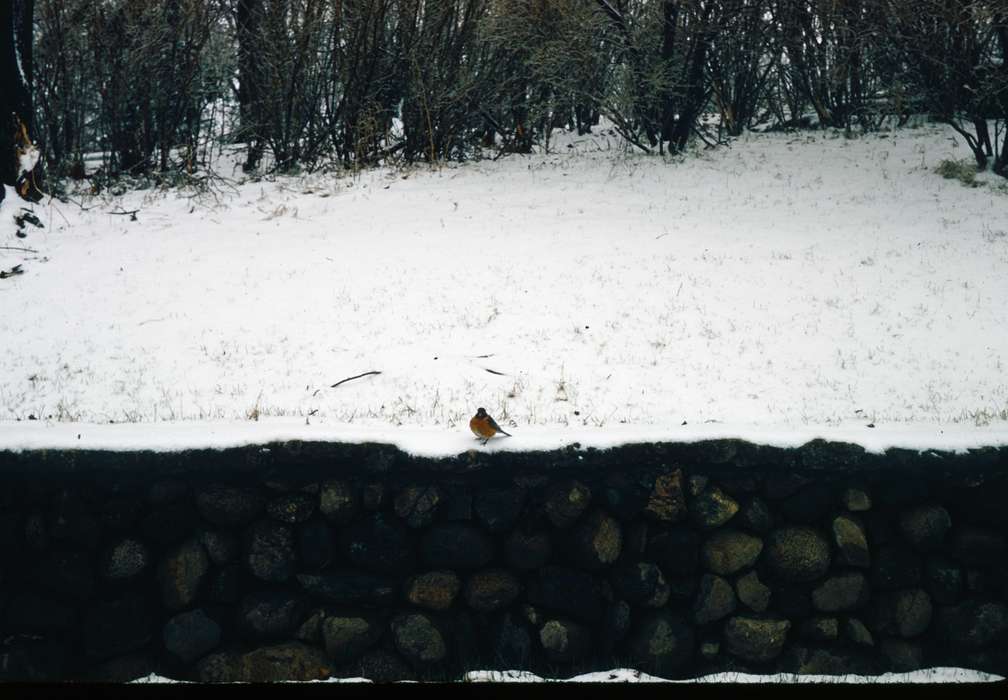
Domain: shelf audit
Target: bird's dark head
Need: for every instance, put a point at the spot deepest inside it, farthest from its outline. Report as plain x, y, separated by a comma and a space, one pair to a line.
481, 413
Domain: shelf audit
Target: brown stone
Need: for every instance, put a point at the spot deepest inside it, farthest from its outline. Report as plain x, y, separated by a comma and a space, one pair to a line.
596, 540
491, 590
435, 590
667, 503
417, 505
181, 573
728, 551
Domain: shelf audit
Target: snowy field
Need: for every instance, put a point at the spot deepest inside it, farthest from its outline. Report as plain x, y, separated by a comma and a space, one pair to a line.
790, 286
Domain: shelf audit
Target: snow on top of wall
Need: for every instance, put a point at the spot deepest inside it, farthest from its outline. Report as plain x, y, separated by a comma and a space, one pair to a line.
441, 442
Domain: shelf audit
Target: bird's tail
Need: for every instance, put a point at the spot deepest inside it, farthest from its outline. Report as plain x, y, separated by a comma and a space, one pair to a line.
503, 433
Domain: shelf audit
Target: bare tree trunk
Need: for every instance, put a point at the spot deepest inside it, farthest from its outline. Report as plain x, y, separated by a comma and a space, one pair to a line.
16, 121
249, 21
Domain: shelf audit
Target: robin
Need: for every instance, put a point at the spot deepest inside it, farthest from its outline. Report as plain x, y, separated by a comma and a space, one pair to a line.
483, 426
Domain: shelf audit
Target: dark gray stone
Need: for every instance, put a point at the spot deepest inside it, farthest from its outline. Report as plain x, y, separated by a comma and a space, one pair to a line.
798, 554
417, 505
491, 590
858, 633
170, 524
943, 580
713, 508
455, 546
180, 574
269, 551
190, 635
372, 496
349, 587
677, 552
755, 516
31, 612
856, 500
662, 644
499, 509
164, 491
640, 583
895, 567
68, 574
565, 641
565, 503
418, 639
528, 550
378, 544
903, 613
755, 639
820, 629
125, 559
120, 513
123, 669
753, 593
901, 656
626, 497
827, 662
809, 504
229, 506
851, 542
978, 547
223, 585
456, 504
925, 527
846, 591
512, 643
383, 666
974, 624
338, 501
219, 667
291, 508
117, 627
268, 615
222, 547
780, 485
715, 600
567, 591
346, 638
72, 523
616, 623
728, 551
315, 545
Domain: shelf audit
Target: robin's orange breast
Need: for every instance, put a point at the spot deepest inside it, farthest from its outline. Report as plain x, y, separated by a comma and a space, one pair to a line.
481, 427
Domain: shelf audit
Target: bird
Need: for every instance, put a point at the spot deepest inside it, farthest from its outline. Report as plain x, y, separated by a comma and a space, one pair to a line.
483, 426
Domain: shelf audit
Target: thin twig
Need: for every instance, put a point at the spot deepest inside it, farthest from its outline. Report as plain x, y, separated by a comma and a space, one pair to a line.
358, 376
14, 247
492, 371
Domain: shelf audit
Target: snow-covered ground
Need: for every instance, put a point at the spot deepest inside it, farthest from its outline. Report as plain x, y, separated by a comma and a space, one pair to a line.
791, 285
623, 675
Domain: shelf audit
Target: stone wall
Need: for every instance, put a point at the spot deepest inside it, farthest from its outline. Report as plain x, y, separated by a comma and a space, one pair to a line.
301, 561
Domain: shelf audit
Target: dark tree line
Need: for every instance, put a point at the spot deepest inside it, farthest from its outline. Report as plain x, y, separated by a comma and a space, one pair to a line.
155, 86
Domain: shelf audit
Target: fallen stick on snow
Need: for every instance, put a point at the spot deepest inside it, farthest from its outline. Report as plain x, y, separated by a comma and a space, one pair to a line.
357, 376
